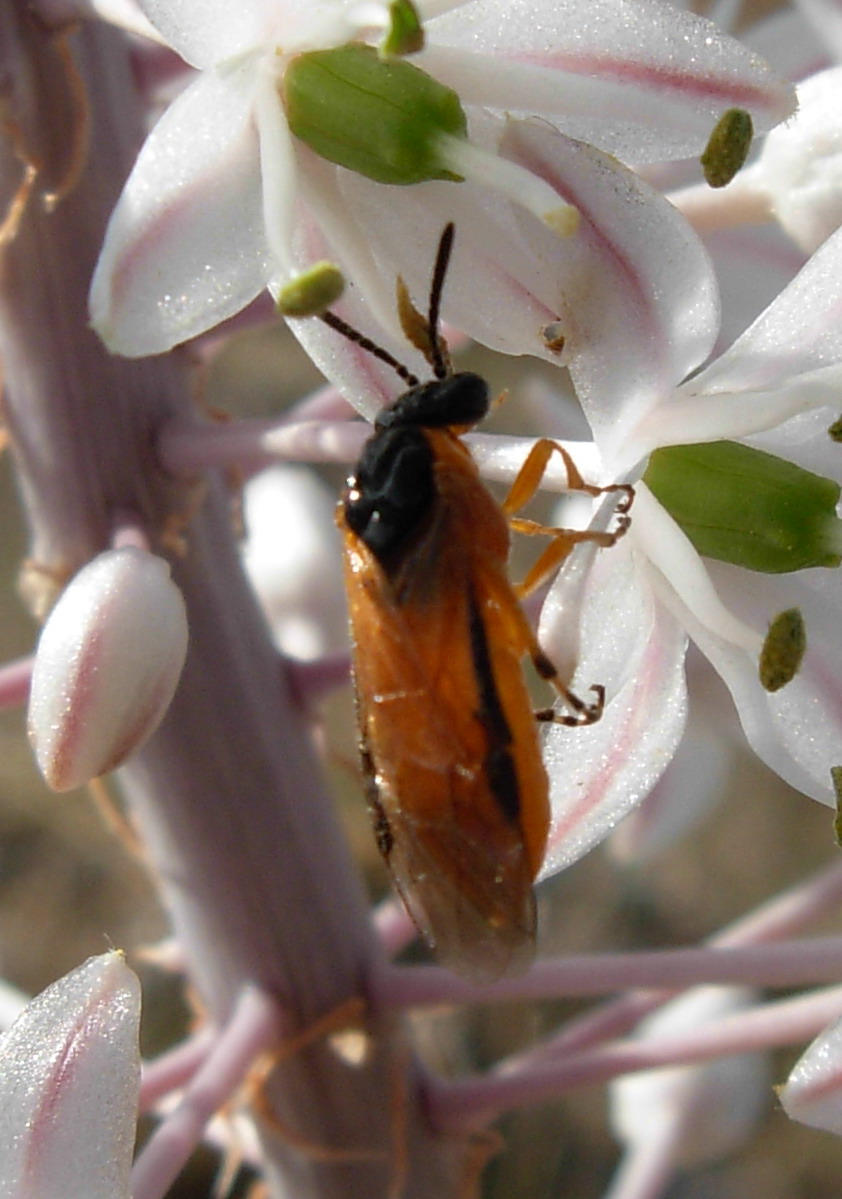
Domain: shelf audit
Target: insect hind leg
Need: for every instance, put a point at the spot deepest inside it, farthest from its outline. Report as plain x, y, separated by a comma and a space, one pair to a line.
522, 636
581, 712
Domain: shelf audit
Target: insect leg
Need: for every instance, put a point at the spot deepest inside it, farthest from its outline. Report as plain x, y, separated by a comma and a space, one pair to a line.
522, 637
535, 467
563, 540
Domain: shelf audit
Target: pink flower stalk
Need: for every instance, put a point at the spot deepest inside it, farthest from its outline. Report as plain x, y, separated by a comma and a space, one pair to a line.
107, 666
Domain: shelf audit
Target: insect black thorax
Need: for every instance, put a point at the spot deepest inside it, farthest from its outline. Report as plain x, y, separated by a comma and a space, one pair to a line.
389, 499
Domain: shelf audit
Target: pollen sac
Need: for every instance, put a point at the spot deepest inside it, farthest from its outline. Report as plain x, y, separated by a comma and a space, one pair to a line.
382, 119
744, 506
106, 667
311, 292
783, 650
405, 34
836, 781
727, 147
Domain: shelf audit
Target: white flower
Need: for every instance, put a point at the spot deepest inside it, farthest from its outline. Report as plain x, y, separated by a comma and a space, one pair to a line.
107, 665
778, 388
69, 1085
224, 200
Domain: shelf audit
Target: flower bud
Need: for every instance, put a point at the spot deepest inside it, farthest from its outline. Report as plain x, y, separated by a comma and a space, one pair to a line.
711, 1109
382, 119
297, 577
813, 1092
69, 1086
107, 665
727, 147
741, 505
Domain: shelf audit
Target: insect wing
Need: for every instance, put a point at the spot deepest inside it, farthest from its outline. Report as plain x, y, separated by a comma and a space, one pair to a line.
438, 691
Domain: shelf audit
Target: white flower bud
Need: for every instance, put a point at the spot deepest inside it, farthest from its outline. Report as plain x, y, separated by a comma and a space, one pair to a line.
711, 1109
69, 1085
107, 665
813, 1091
800, 167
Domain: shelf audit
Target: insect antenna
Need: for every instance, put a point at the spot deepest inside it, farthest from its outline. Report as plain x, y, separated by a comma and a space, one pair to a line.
439, 357
353, 335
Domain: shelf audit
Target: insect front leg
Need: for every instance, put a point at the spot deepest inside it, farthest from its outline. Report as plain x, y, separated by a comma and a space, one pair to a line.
562, 540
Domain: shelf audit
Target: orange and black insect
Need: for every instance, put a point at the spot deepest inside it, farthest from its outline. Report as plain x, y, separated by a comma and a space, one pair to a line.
448, 736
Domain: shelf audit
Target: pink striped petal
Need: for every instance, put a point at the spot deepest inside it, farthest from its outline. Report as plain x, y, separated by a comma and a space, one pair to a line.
635, 77
185, 247
640, 301
635, 649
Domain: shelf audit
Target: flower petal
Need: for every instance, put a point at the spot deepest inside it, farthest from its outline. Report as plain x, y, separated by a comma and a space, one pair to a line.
107, 665
638, 78
800, 331
796, 731
206, 32
806, 713
690, 787
641, 307
635, 649
69, 1085
185, 247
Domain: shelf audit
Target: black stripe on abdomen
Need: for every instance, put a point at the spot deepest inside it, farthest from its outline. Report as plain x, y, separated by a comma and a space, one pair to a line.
499, 761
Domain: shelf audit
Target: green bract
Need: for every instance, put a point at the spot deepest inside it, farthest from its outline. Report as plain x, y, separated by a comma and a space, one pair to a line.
744, 506
380, 119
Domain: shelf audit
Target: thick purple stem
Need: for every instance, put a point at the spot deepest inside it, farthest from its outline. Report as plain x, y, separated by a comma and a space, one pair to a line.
228, 795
